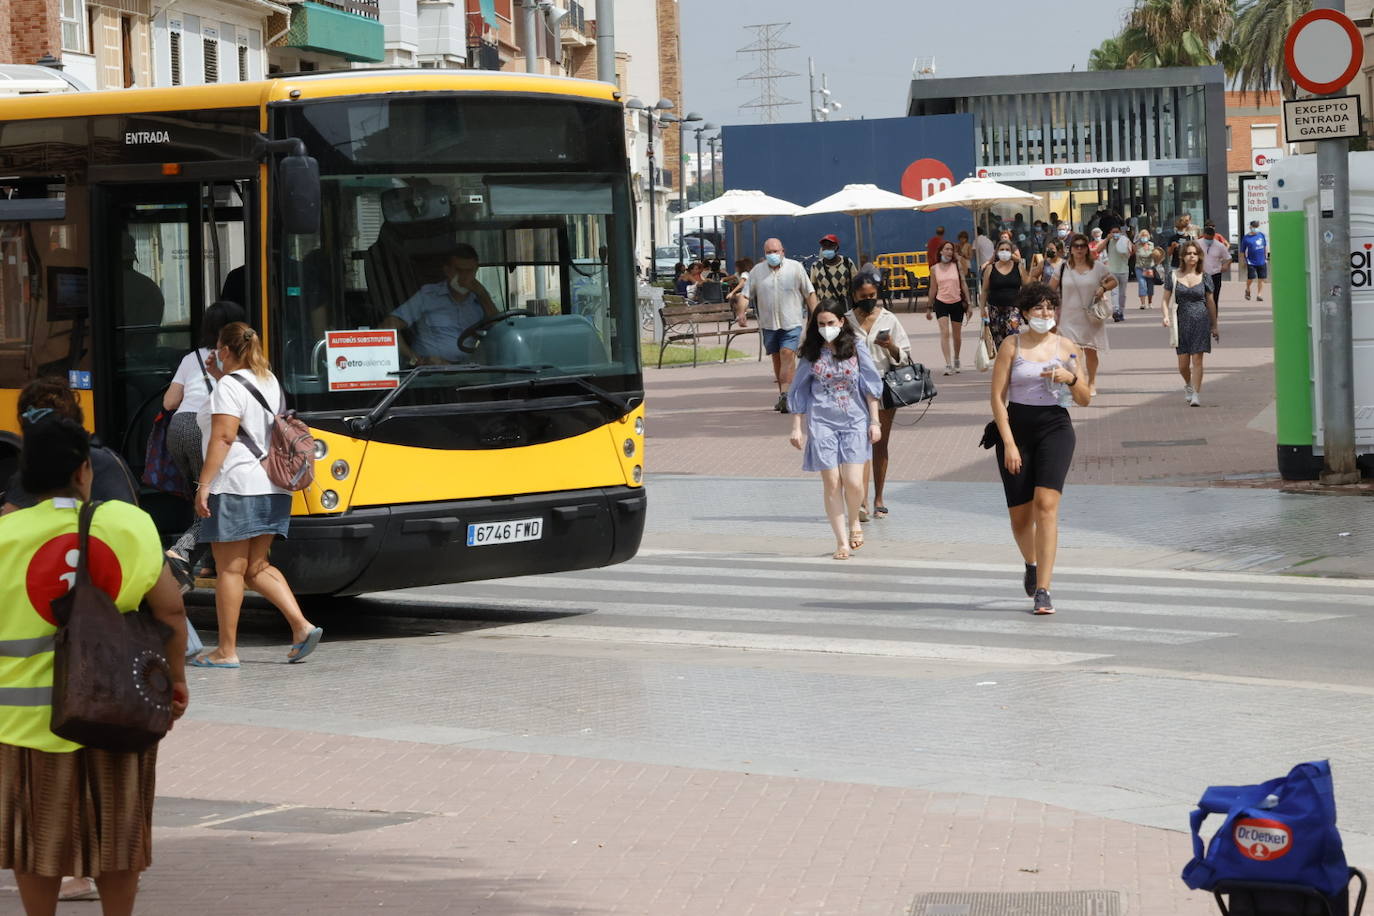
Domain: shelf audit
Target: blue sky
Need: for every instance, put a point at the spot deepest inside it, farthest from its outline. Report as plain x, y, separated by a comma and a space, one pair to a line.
867, 47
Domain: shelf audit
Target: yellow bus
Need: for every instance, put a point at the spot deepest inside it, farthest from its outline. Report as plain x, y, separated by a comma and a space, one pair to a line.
323, 203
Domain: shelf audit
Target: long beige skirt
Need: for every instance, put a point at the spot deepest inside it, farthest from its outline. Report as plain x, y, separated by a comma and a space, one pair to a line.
83, 813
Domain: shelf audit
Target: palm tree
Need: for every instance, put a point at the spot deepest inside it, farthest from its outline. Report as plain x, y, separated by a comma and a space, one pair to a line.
1177, 33
1110, 55
1256, 46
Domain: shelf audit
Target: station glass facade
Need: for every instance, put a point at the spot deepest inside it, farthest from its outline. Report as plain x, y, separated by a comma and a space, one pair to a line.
1148, 144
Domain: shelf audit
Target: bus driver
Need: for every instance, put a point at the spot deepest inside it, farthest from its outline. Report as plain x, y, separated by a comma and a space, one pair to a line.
441, 311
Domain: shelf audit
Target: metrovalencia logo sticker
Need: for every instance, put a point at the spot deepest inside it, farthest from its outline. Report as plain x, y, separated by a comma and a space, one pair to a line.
1261, 839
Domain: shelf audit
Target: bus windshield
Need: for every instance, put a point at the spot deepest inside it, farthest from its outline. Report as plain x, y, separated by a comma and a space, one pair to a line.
492, 234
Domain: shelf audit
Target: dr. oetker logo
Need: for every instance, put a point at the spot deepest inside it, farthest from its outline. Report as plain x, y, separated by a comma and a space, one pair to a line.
1262, 839
925, 177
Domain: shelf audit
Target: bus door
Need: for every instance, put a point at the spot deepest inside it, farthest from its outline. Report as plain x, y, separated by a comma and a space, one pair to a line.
165, 252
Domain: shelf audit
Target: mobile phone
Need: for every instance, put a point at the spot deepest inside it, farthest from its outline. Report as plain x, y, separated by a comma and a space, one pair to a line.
882, 335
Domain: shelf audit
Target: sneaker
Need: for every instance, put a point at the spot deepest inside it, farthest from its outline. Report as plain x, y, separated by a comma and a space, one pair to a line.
1144, 307
949, 370
1029, 581
1043, 604
956, 367
1259, 298
1247, 295
1194, 401
1188, 394
781, 406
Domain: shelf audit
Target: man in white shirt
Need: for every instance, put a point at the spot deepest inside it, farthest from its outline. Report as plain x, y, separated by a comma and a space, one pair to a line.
439, 313
983, 248
1119, 263
783, 296
1216, 258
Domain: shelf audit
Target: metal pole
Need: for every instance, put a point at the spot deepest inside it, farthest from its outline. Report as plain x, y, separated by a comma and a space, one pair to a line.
1337, 369
653, 210
811, 86
701, 227
605, 40
681, 187
531, 39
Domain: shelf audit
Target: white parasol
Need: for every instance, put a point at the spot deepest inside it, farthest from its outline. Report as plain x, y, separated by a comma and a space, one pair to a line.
736, 206
979, 195
858, 200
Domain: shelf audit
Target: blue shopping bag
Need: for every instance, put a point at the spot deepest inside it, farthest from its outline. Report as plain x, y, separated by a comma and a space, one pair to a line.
1282, 831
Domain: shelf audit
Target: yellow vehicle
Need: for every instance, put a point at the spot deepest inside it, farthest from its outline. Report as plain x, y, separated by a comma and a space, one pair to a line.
906, 271
322, 203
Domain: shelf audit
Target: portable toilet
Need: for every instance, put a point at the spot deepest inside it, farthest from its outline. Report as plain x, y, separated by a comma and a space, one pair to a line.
1296, 301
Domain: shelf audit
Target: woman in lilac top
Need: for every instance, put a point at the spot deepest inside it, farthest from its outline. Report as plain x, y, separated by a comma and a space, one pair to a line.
835, 394
1037, 373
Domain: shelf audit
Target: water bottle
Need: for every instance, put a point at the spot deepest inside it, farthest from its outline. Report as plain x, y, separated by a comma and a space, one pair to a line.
1061, 390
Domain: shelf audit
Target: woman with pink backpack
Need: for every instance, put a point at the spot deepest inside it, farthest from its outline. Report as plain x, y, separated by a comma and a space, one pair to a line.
244, 507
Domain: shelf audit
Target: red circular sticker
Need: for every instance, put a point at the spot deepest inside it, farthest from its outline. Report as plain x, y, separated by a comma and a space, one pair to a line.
925, 177
52, 570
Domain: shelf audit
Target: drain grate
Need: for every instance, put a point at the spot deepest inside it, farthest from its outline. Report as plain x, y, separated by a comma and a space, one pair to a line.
1035, 903
1163, 443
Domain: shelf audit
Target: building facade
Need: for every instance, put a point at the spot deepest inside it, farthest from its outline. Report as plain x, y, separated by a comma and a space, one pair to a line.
1148, 144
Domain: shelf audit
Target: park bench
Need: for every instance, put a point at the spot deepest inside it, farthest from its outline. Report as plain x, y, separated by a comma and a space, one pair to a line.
684, 321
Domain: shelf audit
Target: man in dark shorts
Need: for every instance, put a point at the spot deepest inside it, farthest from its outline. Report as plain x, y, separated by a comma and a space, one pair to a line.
1254, 247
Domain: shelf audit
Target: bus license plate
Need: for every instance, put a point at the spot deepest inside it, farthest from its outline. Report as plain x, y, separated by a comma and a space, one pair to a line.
485, 534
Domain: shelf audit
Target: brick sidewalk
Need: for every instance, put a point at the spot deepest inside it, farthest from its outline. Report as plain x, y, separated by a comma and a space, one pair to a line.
715, 419
510, 833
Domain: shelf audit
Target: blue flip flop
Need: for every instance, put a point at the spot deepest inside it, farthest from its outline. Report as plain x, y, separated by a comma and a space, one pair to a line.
306, 646
203, 661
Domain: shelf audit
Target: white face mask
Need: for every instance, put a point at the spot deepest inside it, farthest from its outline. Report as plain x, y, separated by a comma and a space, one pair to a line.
1042, 325
458, 288
1004, 255
945, 259
830, 332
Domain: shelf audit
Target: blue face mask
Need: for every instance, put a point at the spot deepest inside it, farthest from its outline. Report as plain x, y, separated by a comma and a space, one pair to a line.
828, 253
774, 258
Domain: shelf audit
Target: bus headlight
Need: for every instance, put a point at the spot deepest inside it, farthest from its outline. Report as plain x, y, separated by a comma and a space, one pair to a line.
321, 449
329, 499
637, 475
639, 426
339, 469
629, 448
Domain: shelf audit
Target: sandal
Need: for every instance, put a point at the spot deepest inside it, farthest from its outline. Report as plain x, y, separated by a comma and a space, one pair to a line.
856, 540
880, 511
863, 513
841, 553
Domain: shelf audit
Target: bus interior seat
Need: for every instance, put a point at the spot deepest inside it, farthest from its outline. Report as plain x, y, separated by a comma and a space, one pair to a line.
416, 234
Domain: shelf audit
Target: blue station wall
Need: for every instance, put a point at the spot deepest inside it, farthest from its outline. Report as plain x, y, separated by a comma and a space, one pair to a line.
803, 163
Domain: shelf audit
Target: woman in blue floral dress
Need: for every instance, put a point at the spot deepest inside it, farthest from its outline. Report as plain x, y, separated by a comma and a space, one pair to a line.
835, 394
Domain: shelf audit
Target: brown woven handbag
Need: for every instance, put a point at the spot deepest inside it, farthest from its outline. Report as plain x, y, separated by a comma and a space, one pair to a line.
112, 686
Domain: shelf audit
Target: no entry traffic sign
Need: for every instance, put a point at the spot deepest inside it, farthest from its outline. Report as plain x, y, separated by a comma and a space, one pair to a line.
1323, 51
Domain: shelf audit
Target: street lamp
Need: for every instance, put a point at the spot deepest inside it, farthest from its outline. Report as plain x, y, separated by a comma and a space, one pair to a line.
653, 118
715, 222
699, 131
682, 177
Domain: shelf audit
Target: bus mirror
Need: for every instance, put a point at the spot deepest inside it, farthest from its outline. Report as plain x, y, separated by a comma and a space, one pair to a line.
298, 189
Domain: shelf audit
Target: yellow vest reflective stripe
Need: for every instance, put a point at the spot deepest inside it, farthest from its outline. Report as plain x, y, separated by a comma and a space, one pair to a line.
25, 696
25, 648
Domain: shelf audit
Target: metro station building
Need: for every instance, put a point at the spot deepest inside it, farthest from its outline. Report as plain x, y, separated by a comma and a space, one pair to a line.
1148, 144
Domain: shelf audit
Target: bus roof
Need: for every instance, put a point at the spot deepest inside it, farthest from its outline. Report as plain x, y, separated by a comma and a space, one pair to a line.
322, 85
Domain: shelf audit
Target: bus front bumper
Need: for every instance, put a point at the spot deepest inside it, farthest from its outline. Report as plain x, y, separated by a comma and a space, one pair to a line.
388, 547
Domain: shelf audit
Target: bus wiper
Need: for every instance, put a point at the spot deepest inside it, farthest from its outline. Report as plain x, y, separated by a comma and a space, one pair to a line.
378, 413
601, 394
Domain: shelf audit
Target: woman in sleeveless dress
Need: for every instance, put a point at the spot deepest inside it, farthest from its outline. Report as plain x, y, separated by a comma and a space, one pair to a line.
949, 302
1195, 317
1081, 281
1035, 438
1002, 279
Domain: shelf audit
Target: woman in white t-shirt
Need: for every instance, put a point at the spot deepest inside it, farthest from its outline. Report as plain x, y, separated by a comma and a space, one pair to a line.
243, 510
190, 388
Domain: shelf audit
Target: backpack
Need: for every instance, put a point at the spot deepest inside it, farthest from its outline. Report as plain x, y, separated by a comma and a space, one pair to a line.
290, 458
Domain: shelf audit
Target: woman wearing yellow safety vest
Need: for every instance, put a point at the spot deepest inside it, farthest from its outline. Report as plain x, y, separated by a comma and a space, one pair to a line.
67, 809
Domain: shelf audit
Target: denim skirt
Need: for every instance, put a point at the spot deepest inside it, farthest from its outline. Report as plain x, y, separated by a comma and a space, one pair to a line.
238, 518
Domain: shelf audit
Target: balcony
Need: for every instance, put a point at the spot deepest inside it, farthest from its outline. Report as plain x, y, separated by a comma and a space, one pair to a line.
576, 31
344, 28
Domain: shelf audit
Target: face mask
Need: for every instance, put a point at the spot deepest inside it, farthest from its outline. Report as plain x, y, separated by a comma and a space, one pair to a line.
1042, 325
1004, 255
945, 259
830, 332
458, 288
773, 258
866, 305
1063, 233
828, 253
